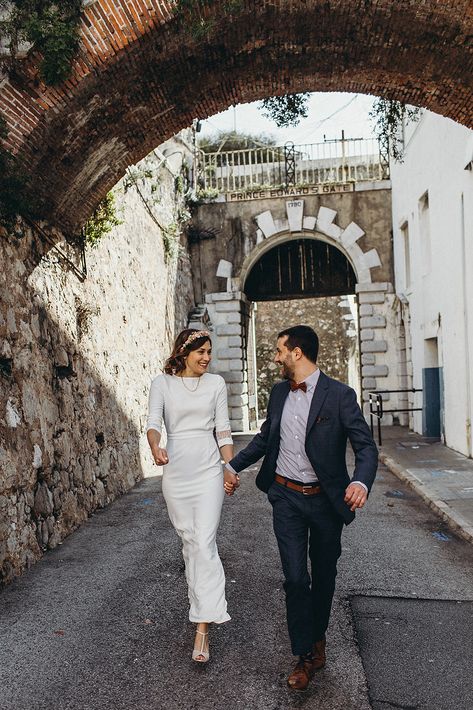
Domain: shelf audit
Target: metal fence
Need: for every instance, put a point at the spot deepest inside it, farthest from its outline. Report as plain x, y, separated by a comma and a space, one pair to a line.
377, 407
338, 161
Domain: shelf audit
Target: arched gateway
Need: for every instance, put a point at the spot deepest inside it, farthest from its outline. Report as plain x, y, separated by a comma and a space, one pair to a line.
306, 253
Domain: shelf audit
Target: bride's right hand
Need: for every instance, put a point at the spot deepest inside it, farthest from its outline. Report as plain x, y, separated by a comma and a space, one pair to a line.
160, 456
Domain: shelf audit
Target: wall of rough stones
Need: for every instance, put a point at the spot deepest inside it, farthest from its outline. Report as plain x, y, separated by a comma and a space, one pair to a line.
337, 338
76, 360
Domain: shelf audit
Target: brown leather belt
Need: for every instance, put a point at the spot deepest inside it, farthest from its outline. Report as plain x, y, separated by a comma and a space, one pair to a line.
311, 490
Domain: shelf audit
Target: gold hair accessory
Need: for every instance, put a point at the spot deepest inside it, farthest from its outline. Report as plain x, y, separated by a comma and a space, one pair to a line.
194, 336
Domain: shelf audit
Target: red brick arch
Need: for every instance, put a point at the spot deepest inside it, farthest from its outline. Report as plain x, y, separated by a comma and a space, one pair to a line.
139, 78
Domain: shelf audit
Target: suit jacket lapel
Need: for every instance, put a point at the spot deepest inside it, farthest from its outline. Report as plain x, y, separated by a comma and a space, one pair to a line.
317, 401
279, 405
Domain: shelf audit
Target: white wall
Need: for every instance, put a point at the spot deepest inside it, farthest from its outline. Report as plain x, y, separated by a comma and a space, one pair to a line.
440, 292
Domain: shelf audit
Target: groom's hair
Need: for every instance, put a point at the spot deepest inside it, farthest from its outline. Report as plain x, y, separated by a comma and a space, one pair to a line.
303, 337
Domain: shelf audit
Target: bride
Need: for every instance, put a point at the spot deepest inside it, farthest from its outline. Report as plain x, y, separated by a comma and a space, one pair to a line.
192, 403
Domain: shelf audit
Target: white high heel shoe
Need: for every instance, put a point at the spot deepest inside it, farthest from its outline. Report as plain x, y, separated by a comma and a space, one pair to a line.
196, 653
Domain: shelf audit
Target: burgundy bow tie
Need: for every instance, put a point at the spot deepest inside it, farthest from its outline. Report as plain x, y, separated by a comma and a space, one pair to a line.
301, 386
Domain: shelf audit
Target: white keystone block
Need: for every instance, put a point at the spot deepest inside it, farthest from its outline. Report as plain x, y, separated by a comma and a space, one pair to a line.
368, 359
259, 236
375, 371
373, 322
326, 215
282, 225
239, 400
227, 306
233, 318
366, 310
351, 234
325, 223
376, 286
371, 259
224, 296
374, 346
229, 353
295, 213
366, 334
236, 413
235, 341
239, 388
230, 329
371, 298
233, 377
265, 222
309, 223
368, 383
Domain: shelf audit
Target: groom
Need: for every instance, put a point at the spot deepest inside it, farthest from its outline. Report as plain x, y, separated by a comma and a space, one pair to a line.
303, 441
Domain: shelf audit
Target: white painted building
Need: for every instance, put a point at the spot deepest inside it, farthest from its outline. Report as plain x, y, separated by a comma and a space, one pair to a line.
432, 197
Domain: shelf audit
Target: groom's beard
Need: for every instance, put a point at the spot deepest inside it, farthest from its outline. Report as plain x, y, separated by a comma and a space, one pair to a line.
286, 372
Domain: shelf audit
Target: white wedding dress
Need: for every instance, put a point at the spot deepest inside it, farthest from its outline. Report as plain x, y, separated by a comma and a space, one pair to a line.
191, 408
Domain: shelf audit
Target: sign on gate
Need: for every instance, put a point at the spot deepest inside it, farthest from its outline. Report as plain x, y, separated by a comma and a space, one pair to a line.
322, 189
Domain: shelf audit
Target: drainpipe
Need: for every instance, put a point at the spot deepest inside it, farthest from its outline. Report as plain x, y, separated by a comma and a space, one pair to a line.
467, 334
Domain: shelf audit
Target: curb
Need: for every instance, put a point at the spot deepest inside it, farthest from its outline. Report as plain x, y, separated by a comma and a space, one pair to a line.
453, 519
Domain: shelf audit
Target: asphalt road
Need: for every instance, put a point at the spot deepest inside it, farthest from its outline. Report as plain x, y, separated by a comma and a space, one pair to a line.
101, 621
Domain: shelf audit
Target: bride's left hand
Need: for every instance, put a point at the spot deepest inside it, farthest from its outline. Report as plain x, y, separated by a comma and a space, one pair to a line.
231, 482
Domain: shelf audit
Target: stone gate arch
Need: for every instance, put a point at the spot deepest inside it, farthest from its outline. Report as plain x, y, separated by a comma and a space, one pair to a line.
141, 75
230, 311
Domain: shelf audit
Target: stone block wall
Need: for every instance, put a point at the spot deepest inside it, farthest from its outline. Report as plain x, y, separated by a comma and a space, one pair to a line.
76, 361
337, 338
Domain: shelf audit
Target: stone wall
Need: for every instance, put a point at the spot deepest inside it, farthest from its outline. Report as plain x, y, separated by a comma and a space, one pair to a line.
337, 338
76, 363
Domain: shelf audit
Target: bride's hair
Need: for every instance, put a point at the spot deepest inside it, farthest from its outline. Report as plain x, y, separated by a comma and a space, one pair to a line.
176, 361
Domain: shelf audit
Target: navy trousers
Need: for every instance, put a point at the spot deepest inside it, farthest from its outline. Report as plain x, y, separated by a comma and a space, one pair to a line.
306, 526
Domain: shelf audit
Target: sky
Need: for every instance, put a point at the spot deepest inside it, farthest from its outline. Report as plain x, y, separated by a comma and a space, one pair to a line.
329, 114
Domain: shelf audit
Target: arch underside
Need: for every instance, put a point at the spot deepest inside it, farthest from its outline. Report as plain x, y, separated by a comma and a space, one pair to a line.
300, 268
78, 140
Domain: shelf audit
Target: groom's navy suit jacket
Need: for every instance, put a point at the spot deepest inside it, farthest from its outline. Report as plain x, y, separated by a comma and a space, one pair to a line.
334, 417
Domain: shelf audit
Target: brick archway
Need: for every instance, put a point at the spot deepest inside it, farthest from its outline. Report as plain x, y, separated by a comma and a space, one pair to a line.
139, 79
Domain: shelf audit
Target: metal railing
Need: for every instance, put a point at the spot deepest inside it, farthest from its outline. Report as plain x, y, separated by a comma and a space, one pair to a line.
338, 161
376, 400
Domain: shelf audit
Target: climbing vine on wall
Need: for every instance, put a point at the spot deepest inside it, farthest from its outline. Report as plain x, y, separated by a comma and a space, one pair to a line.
16, 196
195, 19
389, 118
102, 221
53, 29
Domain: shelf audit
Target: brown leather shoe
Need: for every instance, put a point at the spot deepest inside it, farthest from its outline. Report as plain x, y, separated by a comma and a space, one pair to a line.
302, 674
318, 654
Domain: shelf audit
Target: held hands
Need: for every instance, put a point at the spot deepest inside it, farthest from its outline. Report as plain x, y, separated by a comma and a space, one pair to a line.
355, 496
160, 456
231, 482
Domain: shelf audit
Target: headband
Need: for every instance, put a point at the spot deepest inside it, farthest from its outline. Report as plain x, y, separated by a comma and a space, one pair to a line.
194, 336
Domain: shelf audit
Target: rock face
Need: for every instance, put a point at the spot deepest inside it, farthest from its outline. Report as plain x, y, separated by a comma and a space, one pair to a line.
336, 346
76, 362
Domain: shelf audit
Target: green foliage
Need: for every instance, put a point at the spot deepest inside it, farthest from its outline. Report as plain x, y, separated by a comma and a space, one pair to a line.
286, 110
53, 28
196, 21
134, 175
102, 221
232, 140
16, 196
389, 117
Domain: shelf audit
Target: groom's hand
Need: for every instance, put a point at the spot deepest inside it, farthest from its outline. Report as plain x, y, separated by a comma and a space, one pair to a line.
230, 482
355, 496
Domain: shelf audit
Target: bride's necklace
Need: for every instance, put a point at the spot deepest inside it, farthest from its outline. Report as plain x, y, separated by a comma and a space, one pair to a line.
188, 388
